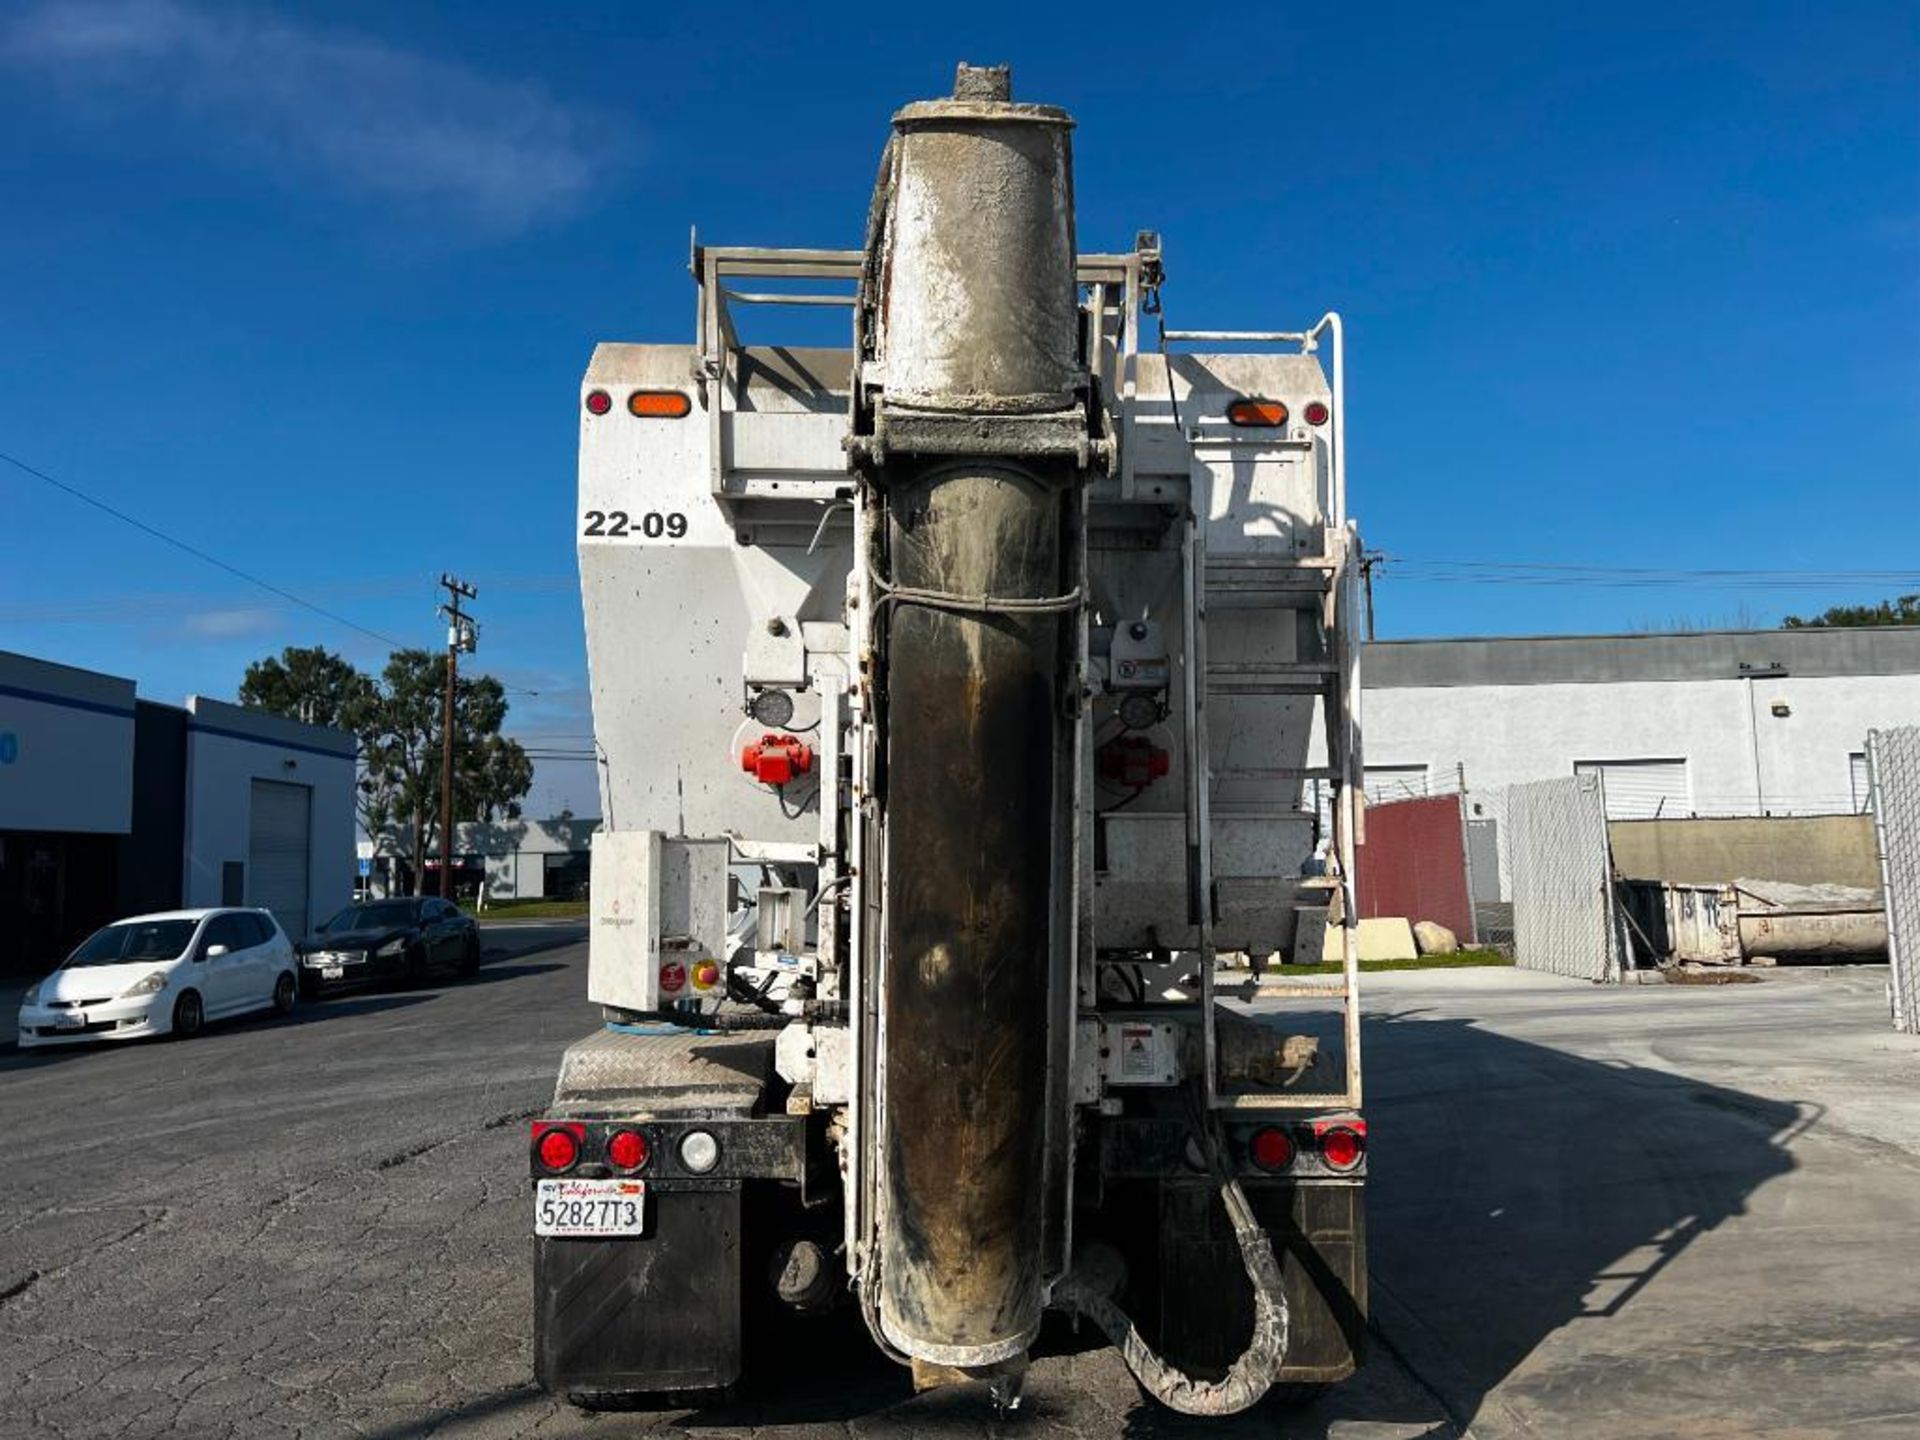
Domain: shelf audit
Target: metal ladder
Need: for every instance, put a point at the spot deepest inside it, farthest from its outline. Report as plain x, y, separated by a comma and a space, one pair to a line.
1278, 584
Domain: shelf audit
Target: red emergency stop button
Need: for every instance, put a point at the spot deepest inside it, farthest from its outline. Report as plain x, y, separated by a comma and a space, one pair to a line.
776, 759
1133, 761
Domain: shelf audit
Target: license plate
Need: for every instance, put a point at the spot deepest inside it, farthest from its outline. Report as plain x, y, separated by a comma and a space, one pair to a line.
70, 1020
332, 972
589, 1207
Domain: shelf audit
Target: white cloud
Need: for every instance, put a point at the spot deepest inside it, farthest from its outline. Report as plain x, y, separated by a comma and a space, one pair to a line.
229, 624
376, 121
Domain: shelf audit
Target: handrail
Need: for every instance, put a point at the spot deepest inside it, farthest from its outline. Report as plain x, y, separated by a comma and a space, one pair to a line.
1330, 322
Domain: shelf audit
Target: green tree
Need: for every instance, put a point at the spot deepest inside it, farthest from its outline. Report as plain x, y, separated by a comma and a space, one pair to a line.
1901, 610
491, 774
397, 720
314, 685
311, 684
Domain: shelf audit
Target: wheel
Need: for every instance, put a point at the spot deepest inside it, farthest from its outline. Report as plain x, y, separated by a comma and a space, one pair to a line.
470, 958
189, 1015
286, 990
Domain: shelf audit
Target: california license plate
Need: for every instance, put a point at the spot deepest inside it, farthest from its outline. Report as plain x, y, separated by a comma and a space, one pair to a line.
332, 972
589, 1207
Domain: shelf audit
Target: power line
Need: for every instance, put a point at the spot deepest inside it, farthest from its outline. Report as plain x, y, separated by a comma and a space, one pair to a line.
197, 553
218, 563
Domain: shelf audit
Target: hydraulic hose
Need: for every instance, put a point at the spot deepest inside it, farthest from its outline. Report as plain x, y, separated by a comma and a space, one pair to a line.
1249, 1377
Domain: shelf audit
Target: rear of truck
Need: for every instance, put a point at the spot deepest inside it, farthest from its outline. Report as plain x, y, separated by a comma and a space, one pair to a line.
968, 697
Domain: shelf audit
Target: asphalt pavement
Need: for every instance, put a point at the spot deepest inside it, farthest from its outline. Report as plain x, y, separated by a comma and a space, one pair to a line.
1589, 1218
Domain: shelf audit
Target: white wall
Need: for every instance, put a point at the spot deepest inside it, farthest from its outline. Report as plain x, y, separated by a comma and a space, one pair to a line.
1506, 734
227, 749
66, 748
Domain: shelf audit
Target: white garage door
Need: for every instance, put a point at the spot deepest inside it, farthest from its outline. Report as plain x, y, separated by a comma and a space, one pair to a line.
1642, 789
277, 856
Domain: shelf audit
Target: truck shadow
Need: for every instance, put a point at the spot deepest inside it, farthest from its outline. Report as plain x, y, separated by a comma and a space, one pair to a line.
1517, 1190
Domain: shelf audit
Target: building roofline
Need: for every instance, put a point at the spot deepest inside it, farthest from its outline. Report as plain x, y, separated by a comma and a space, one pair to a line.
1804, 651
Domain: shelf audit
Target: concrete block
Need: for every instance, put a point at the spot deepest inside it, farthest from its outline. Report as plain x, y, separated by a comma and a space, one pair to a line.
1380, 939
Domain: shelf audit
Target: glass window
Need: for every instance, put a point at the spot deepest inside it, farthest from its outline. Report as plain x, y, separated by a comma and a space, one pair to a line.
139, 940
234, 931
381, 915
263, 923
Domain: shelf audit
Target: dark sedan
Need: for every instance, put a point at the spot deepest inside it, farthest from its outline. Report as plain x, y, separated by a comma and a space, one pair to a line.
395, 940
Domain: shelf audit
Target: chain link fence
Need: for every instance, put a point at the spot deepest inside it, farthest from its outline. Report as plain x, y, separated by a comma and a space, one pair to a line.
1893, 765
1563, 905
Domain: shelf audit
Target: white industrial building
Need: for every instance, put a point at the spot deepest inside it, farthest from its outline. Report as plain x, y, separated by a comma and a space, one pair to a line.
519, 859
1764, 722
113, 805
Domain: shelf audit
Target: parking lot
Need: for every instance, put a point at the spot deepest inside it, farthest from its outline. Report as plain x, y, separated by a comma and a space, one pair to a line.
1646, 1211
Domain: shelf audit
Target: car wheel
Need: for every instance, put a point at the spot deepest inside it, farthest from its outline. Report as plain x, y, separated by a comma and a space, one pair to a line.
470, 957
189, 1015
286, 990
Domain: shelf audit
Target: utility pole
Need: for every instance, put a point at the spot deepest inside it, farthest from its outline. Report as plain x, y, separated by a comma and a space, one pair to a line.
461, 635
1369, 559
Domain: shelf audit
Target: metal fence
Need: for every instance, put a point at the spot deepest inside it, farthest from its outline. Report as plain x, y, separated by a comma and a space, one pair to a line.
1563, 905
1893, 766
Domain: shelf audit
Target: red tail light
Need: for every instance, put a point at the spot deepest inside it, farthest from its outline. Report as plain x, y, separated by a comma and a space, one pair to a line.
1343, 1146
556, 1143
1272, 1148
1257, 412
1317, 412
598, 402
627, 1150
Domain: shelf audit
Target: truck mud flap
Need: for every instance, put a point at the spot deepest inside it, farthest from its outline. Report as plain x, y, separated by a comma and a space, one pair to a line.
656, 1314
1206, 1301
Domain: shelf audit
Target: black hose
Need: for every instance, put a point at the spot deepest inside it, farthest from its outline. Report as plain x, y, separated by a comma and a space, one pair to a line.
1252, 1374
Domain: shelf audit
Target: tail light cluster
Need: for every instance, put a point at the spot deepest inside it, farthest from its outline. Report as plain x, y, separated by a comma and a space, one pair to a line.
1252, 411
1330, 1145
646, 404
561, 1145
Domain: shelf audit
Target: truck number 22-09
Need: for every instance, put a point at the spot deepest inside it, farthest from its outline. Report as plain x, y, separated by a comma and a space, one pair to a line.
653, 525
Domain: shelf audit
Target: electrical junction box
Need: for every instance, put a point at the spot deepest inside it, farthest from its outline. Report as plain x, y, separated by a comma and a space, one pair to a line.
1138, 658
1141, 1052
659, 922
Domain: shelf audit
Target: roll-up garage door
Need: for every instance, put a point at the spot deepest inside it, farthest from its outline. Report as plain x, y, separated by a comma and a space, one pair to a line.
1642, 789
277, 858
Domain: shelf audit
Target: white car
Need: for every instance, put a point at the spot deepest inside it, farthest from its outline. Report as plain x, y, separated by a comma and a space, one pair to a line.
165, 974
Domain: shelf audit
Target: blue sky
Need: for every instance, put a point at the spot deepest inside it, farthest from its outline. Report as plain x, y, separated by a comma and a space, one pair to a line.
1626, 286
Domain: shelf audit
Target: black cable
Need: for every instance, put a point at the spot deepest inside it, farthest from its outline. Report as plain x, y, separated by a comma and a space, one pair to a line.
198, 553
219, 564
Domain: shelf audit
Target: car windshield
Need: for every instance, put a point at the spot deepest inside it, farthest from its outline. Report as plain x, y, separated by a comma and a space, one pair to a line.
370, 917
135, 940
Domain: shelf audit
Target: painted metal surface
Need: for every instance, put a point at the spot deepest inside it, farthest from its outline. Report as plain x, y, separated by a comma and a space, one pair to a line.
1414, 864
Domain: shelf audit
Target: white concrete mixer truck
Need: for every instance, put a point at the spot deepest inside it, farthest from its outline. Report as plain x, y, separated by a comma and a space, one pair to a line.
962, 693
